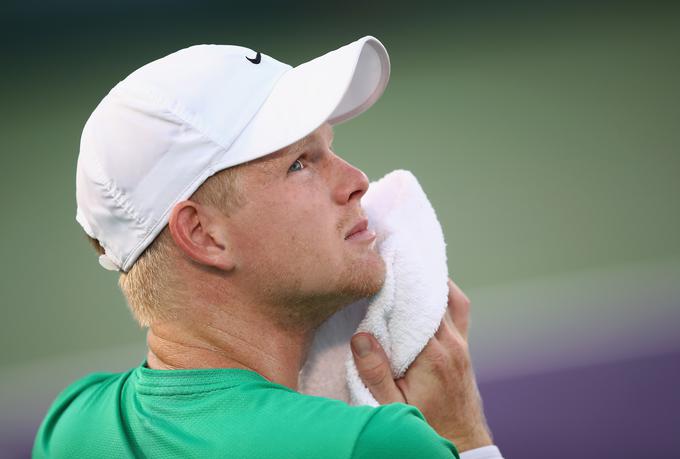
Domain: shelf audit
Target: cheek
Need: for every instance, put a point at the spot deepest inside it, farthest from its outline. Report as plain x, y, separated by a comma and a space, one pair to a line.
299, 225
307, 229
305, 238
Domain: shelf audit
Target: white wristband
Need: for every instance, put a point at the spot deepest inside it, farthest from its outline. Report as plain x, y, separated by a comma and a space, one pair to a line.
485, 452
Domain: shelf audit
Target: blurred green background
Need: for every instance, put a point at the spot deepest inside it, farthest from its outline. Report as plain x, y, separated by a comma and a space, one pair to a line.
546, 135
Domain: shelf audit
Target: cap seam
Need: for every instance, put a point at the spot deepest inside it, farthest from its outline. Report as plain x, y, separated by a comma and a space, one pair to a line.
121, 202
177, 112
162, 218
120, 198
173, 107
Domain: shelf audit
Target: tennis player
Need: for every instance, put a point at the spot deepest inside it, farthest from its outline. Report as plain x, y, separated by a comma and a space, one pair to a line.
208, 181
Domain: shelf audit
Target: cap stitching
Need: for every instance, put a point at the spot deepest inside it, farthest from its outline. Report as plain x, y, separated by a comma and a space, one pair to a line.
210, 170
200, 178
120, 198
117, 195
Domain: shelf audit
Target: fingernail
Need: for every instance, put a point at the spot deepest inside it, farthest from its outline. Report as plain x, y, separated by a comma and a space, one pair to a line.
361, 345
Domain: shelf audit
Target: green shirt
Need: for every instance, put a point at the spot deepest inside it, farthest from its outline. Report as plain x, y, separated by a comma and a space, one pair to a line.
230, 413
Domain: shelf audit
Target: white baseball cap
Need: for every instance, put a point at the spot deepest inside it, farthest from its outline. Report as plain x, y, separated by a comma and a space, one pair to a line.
171, 124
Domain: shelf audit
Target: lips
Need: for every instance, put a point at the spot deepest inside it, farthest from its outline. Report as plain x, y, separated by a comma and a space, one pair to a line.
361, 226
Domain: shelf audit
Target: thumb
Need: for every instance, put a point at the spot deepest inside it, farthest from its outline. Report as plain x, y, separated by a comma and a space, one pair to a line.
374, 369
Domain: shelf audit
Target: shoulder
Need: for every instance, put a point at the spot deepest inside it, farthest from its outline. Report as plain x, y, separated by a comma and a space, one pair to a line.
399, 430
93, 385
76, 408
356, 432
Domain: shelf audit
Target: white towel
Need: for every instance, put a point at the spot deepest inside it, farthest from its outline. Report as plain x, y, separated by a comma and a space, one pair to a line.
408, 309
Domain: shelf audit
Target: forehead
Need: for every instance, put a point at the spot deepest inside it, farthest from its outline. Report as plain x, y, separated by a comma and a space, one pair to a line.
323, 134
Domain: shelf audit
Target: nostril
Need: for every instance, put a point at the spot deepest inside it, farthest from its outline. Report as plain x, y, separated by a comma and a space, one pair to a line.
352, 195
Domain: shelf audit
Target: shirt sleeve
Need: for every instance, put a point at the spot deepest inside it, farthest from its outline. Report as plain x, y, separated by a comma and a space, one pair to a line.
400, 430
485, 452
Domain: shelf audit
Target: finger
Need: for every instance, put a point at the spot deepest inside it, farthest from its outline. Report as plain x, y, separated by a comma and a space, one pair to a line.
449, 339
446, 328
459, 309
374, 369
447, 321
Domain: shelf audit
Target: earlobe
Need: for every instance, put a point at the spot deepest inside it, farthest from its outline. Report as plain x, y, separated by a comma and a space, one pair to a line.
196, 231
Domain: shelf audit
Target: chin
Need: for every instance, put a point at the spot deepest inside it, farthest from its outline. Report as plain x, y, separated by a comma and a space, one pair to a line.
364, 278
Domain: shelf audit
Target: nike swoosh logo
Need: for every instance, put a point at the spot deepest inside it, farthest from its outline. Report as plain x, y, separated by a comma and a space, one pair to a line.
257, 59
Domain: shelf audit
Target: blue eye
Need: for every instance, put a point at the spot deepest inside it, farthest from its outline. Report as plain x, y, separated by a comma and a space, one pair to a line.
292, 167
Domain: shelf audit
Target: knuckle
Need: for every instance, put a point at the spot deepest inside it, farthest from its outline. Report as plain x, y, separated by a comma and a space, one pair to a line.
456, 354
375, 375
454, 342
439, 359
459, 343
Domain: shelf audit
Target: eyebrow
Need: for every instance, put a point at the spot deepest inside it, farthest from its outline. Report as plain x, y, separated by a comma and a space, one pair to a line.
302, 146
270, 164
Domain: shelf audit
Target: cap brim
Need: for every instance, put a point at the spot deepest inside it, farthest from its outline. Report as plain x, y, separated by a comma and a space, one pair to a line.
331, 88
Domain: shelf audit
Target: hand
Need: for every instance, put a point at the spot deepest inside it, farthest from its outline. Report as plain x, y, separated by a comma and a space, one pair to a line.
440, 382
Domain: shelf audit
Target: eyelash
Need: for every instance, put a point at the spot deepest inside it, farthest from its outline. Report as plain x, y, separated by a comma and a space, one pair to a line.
300, 160
296, 161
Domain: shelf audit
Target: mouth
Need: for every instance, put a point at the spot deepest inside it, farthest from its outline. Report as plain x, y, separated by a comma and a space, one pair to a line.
360, 232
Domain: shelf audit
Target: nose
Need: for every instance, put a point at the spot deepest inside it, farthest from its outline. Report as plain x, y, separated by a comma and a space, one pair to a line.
352, 183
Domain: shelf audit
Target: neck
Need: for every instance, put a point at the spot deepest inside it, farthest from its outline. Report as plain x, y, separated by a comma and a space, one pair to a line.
230, 339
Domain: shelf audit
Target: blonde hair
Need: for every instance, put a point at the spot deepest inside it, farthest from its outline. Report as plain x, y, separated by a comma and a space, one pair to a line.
149, 286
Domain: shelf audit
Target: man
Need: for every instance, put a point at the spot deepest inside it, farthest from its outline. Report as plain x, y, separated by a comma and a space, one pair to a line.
207, 178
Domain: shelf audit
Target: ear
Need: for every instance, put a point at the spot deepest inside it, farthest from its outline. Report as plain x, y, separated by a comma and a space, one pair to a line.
198, 232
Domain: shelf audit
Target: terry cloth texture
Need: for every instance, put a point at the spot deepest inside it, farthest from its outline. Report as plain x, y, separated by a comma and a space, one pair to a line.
406, 312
